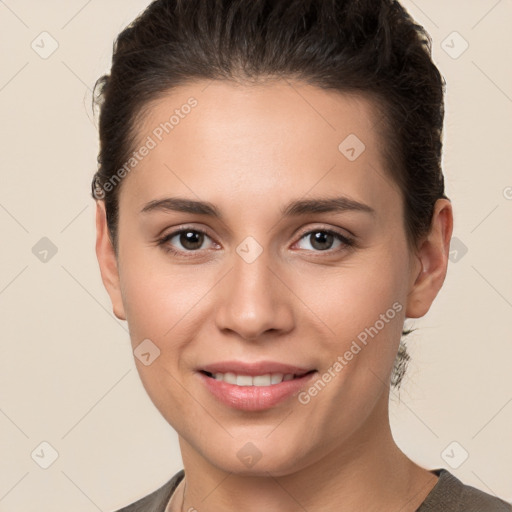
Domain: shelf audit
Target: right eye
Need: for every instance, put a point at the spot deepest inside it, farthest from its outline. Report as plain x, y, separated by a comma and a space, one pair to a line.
190, 240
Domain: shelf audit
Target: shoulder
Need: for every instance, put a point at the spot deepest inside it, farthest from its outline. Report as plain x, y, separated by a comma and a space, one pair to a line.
451, 495
157, 500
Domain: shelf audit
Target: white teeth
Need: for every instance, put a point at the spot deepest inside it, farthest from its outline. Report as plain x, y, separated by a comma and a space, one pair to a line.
243, 380
276, 378
267, 379
230, 378
262, 380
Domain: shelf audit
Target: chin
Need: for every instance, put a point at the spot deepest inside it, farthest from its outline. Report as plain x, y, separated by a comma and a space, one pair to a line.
258, 457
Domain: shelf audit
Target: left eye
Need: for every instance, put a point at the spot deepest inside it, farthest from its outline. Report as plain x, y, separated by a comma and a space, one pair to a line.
322, 239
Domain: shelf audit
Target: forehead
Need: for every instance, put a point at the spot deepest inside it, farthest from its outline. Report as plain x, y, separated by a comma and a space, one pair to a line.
263, 108
290, 135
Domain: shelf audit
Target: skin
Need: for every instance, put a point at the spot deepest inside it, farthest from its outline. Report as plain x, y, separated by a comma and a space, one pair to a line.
250, 150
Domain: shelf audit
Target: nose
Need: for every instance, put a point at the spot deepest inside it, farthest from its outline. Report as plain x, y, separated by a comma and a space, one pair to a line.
253, 301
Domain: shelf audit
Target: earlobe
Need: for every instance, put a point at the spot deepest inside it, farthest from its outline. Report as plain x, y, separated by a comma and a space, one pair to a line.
432, 254
108, 261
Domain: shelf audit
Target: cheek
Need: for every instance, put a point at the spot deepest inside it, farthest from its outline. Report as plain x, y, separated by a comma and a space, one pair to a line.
352, 297
162, 304
362, 309
158, 302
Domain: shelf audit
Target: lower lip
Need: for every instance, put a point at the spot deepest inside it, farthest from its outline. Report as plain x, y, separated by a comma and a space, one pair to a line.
254, 398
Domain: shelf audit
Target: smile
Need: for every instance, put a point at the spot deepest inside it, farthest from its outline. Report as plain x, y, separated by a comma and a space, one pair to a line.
254, 391
268, 379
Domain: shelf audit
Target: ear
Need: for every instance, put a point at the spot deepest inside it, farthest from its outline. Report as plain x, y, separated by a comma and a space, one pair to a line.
108, 261
432, 256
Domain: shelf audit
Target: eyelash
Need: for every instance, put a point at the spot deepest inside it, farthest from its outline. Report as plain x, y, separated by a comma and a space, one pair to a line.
347, 242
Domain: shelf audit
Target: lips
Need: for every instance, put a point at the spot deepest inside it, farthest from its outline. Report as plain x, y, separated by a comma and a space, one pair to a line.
254, 386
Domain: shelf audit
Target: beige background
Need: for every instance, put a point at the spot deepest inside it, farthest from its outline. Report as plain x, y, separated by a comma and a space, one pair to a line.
67, 375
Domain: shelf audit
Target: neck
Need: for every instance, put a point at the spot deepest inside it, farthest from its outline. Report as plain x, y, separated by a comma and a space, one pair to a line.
366, 472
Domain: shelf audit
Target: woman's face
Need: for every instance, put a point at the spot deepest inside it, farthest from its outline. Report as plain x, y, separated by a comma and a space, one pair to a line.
275, 282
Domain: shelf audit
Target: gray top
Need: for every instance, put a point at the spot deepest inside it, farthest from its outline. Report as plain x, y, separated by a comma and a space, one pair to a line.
448, 495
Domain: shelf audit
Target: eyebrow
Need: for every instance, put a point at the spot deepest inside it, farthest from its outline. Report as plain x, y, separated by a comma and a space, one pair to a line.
292, 209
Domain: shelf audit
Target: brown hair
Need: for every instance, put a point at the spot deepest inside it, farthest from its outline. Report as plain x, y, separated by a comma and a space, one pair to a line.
371, 47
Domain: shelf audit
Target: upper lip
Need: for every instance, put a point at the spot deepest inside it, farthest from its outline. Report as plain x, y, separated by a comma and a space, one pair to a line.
254, 368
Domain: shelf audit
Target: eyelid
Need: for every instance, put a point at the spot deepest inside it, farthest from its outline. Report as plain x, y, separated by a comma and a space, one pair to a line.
329, 229
176, 230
